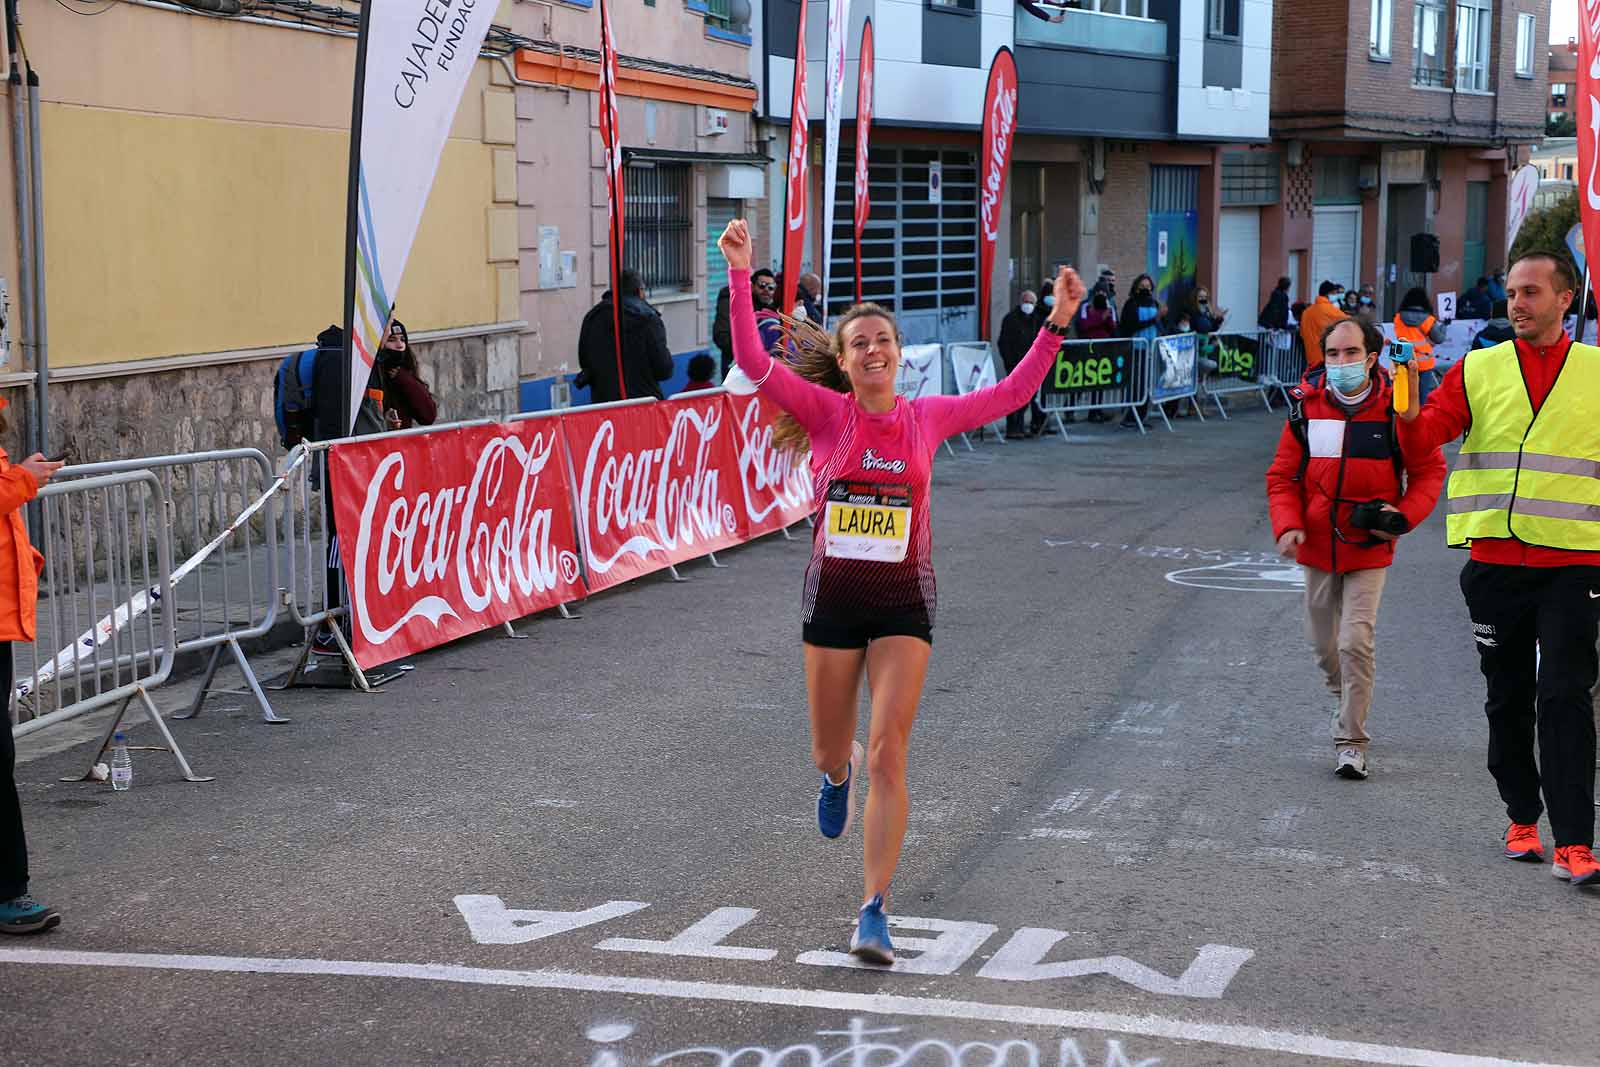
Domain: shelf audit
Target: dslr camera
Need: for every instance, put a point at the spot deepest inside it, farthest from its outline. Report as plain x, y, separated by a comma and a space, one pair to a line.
1369, 515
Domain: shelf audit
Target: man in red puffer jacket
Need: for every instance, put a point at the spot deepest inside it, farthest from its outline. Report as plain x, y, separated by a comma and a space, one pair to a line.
1338, 452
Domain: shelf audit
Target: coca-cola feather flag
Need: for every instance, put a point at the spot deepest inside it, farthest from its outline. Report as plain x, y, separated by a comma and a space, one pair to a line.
1589, 123
794, 205
999, 131
611, 141
863, 130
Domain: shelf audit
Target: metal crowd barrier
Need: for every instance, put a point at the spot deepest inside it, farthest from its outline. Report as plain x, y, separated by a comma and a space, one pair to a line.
1283, 360
1176, 367
1239, 370
232, 593
105, 625
1104, 375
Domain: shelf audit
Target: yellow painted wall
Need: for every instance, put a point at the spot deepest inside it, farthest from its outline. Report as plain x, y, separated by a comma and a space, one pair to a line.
171, 235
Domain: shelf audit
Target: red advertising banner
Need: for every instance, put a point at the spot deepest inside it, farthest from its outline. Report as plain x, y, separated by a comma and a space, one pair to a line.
454, 532
794, 201
863, 130
654, 485
1589, 126
999, 131
611, 143
776, 485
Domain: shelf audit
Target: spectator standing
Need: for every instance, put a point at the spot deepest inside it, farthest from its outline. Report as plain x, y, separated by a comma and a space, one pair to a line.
1017, 333
19, 593
1415, 322
1141, 320
811, 300
764, 294
1318, 317
1497, 330
1497, 286
1476, 303
1098, 319
1367, 305
331, 421
1275, 314
646, 359
407, 401
722, 331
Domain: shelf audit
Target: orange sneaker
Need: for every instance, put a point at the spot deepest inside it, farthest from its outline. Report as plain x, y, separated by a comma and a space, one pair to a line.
1522, 843
1576, 864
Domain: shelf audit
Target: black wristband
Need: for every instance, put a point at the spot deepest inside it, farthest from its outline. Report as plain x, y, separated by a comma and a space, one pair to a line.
1059, 331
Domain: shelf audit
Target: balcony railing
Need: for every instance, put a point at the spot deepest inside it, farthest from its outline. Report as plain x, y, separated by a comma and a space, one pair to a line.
1094, 31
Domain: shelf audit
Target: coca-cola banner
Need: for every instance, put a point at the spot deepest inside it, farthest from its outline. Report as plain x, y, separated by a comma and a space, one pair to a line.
999, 131
796, 188
1589, 123
654, 485
776, 486
449, 533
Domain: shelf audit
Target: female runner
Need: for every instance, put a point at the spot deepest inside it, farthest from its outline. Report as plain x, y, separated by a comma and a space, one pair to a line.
869, 589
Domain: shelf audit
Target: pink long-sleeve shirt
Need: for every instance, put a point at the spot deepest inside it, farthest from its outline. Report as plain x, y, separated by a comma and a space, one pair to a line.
871, 551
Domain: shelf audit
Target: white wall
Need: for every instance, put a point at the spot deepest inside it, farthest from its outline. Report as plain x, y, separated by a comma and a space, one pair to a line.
1225, 114
907, 90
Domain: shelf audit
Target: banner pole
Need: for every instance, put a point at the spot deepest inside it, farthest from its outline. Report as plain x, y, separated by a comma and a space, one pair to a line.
352, 209
1583, 304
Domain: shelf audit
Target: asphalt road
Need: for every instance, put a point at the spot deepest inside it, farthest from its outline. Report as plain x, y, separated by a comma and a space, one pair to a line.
596, 845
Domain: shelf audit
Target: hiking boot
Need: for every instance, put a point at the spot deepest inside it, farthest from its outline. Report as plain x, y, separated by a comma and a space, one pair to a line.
1522, 843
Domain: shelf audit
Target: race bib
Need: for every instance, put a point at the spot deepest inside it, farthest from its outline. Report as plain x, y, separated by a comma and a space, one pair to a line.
868, 521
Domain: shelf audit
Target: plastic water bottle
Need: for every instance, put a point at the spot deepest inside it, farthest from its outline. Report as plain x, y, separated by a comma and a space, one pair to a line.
121, 764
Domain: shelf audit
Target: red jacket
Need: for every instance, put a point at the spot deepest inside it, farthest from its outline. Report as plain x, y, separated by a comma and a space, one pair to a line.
1350, 461
20, 562
1447, 416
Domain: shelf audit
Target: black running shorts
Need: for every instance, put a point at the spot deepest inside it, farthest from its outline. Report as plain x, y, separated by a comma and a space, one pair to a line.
858, 633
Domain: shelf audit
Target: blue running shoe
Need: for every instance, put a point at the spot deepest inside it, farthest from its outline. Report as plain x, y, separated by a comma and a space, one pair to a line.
871, 941
24, 915
836, 804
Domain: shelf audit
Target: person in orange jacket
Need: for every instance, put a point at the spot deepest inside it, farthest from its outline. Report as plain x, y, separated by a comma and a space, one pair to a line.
20, 564
1415, 322
1317, 318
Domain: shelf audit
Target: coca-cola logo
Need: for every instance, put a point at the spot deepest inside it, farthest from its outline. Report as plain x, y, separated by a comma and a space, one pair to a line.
771, 478
863, 120
464, 546
1002, 122
657, 498
796, 214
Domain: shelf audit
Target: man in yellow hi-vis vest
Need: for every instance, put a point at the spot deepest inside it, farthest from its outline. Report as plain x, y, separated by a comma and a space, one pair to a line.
1525, 497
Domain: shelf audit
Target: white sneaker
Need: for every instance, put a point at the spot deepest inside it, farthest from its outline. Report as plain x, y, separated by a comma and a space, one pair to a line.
1352, 763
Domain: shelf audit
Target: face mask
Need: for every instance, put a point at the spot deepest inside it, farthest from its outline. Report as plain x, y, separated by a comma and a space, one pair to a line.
1204, 302
1027, 308
1184, 327
1049, 301
1366, 301
1100, 301
1336, 297
1143, 291
1347, 378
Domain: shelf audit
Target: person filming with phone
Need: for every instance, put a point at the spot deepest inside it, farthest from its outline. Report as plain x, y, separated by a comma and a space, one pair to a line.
1341, 490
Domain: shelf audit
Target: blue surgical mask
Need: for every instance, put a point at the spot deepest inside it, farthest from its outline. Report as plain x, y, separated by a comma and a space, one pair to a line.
1049, 301
1347, 378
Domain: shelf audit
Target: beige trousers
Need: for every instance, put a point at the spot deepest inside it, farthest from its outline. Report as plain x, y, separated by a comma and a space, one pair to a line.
1341, 620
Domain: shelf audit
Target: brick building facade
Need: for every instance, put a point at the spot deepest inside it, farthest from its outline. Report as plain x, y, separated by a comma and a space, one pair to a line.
1401, 117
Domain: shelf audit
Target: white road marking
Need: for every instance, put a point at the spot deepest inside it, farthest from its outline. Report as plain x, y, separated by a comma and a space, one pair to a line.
1223, 1034
1022, 960
945, 954
703, 939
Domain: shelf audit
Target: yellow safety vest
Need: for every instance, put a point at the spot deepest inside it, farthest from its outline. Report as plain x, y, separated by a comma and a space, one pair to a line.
1532, 477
